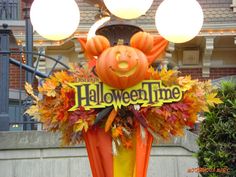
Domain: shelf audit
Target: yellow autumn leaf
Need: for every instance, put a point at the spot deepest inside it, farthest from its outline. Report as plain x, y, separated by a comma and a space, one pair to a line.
208, 87
151, 69
51, 93
166, 74
29, 90
49, 87
63, 77
186, 82
205, 108
80, 125
212, 100
33, 111
168, 77
53, 119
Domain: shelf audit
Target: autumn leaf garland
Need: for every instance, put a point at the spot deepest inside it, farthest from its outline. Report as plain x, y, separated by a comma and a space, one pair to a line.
56, 97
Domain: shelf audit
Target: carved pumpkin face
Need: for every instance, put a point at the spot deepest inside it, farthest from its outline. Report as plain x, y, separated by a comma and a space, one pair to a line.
121, 66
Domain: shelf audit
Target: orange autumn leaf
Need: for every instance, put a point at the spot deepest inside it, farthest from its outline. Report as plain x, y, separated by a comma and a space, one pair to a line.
63, 77
152, 74
168, 77
110, 119
49, 88
116, 132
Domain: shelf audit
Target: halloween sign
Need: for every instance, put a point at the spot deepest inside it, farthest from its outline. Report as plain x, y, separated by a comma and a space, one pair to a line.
147, 93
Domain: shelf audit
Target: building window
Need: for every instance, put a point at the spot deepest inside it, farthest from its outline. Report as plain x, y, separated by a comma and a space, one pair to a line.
9, 9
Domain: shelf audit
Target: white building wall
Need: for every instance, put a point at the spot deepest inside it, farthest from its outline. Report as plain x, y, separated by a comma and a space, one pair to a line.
38, 154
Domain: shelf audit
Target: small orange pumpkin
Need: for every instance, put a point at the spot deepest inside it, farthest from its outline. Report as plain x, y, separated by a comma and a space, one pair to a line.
121, 66
96, 45
142, 41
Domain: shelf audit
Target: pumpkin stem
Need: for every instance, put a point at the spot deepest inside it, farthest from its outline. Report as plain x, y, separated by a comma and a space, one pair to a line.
120, 42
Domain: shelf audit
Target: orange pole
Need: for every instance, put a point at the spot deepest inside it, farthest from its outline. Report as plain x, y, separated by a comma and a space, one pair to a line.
143, 149
99, 148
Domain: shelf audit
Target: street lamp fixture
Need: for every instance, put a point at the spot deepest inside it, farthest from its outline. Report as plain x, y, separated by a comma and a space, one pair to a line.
179, 21
128, 9
55, 19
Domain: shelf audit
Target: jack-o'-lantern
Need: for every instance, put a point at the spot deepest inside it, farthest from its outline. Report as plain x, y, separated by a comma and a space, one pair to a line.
121, 66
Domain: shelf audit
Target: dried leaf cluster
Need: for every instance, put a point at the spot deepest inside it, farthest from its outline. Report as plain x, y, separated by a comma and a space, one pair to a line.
56, 97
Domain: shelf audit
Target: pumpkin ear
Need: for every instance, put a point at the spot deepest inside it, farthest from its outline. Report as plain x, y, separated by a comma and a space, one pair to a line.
142, 41
96, 45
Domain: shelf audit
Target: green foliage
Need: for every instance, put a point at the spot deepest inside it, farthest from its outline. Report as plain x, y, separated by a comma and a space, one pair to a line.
217, 138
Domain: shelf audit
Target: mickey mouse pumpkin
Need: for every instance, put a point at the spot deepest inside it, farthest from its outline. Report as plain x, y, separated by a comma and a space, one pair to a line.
123, 66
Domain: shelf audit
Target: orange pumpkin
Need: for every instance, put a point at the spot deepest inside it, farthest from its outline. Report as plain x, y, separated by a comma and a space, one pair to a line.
96, 45
142, 41
121, 66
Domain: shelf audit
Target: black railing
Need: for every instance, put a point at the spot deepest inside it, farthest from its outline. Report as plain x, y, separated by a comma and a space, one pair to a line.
19, 120
13, 68
9, 9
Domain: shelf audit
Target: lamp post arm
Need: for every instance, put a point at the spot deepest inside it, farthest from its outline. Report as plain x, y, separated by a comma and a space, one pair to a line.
28, 68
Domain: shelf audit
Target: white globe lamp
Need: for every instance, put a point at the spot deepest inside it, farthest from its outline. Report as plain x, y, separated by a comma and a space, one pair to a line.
179, 21
128, 9
55, 19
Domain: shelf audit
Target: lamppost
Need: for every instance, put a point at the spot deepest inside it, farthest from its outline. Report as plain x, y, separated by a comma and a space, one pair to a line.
28, 48
28, 38
4, 80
